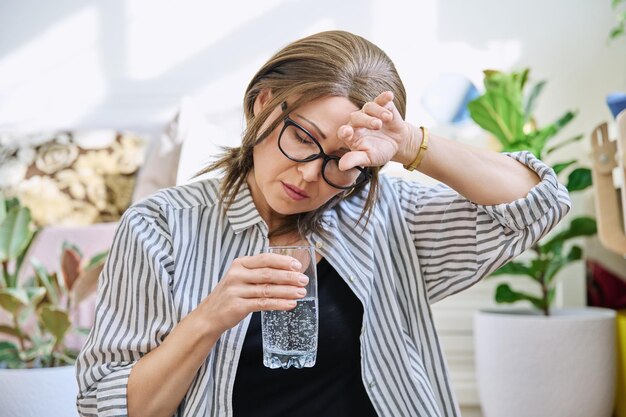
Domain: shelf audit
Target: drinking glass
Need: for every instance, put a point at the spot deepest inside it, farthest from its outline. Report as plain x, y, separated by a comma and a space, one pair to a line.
290, 337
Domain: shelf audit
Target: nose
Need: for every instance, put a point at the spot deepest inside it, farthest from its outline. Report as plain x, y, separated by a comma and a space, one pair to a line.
311, 171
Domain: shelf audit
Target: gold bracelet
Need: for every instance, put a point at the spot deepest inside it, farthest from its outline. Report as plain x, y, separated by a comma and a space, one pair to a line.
420, 152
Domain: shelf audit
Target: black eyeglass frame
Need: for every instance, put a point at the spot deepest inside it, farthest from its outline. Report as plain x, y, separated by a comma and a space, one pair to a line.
363, 177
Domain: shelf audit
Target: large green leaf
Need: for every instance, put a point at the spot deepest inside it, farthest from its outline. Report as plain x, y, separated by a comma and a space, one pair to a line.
97, 259
71, 246
55, 320
557, 263
575, 254
529, 105
21, 257
579, 179
513, 268
580, 226
617, 31
537, 141
87, 282
12, 331
13, 300
505, 294
12, 202
40, 349
35, 295
15, 233
83, 331
552, 269
499, 110
564, 143
63, 358
558, 168
3, 208
46, 280
538, 267
70, 266
9, 353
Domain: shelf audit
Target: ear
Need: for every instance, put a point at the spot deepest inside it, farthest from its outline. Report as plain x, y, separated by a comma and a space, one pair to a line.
261, 100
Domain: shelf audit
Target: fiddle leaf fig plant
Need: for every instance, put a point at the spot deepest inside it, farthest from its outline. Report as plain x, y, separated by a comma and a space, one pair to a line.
39, 309
506, 112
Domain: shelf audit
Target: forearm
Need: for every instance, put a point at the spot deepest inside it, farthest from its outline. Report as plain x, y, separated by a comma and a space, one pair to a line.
160, 380
482, 176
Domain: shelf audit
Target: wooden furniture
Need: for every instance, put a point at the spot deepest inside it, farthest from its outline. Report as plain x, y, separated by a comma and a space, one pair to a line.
610, 202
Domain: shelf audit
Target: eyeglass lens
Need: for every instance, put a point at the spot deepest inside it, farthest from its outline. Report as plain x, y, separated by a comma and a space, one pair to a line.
297, 145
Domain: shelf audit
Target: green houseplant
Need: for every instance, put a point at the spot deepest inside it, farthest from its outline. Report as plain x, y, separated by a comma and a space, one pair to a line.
620, 27
39, 309
507, 113
535, 357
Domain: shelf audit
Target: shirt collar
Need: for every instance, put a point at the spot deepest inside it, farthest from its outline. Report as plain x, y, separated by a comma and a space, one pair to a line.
243, 213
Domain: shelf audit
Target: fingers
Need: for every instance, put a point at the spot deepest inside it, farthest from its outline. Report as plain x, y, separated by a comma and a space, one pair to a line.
285, 292
353, 159
384, 98
364, 119
275, 276
374, 113
270, 260
378, 111
269, 304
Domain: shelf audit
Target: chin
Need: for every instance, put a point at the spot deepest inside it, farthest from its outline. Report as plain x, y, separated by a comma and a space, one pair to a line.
287, 209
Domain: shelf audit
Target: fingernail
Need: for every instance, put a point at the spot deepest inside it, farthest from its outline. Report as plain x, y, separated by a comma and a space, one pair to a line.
303, 279
374, 122
301, 292
295, 265
387, 114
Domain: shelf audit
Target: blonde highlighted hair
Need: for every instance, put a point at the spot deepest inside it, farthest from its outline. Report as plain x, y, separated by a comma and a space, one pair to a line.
332, 63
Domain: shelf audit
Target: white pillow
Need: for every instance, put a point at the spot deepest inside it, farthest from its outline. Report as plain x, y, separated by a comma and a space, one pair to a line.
202, 137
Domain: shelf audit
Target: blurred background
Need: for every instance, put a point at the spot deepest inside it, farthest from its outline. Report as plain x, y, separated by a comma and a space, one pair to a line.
132, 65
126, 63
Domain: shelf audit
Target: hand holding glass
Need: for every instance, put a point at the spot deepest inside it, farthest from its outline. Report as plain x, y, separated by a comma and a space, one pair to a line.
290, 337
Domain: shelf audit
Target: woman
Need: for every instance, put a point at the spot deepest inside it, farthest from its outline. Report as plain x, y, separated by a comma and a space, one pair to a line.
174, 333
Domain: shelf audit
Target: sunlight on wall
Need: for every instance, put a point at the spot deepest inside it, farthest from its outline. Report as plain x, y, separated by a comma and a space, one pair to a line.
162, 35
61, 64
51, 47
127, 63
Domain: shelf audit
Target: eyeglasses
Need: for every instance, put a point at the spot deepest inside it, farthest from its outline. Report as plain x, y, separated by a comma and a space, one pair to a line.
297, 144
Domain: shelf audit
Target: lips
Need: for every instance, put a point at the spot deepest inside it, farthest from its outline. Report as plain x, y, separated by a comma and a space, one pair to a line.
294, 192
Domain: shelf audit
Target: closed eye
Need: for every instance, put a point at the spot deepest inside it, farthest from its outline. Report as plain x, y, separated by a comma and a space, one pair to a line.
303, 139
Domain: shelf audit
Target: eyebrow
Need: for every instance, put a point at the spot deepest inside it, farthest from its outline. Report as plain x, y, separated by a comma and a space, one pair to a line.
319, 130
312, 124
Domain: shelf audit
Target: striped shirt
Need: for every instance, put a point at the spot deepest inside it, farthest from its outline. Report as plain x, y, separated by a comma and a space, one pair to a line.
422, 243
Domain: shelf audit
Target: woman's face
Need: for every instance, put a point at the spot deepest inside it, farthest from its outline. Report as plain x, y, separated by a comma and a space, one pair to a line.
281, 186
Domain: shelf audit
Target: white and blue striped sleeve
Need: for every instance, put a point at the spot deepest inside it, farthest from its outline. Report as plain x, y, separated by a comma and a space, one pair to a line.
134, 312
459, 242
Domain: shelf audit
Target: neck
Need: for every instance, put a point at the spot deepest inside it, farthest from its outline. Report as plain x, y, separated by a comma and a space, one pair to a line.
272, 219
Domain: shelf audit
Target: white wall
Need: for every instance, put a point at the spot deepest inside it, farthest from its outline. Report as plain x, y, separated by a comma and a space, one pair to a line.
126, 63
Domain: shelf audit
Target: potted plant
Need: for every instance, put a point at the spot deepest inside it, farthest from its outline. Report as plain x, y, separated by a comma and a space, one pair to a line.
540, 361
35, 361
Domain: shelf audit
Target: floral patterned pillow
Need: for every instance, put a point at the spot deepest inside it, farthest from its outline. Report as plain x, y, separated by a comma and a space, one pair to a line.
71, 177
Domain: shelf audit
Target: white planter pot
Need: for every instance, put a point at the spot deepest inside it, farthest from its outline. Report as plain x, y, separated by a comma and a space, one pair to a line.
528, 365
38, 392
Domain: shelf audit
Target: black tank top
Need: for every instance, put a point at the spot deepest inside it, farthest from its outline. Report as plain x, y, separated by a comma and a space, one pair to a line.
333, 387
